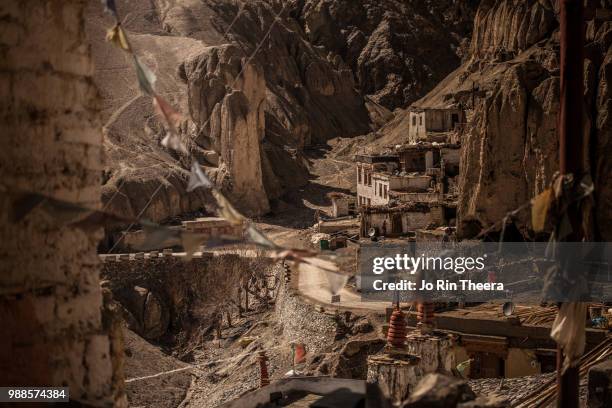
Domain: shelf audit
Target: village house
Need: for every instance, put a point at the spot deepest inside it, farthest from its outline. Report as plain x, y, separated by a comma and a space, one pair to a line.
405, 218
369, 192
343, 205
434, 125
417, 173
426, 157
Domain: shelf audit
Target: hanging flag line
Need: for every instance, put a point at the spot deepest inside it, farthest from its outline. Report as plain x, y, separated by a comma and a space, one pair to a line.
197, 366
65, 213
138, 216
146, 78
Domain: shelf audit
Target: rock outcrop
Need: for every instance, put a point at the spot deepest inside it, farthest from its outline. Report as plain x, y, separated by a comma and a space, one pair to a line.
230, 122
510, 152
258, 81
398, 50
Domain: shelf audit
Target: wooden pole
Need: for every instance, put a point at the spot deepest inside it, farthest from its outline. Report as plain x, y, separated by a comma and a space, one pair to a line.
571, 150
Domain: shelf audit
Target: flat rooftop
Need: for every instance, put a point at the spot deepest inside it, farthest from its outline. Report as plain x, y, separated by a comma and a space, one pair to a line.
207, 220
373, 158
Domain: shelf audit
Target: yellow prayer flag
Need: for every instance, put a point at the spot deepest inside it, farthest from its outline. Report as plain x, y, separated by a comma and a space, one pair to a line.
117, 36
540, 208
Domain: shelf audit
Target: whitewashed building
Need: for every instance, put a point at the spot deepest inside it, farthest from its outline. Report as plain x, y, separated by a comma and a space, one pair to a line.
432, 124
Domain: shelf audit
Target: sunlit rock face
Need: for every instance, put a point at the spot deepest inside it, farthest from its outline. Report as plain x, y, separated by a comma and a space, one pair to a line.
510, 153
231, 121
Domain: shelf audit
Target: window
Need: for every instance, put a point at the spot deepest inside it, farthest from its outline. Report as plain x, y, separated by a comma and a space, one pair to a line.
380, 190
454, 119
414, 121
358, 175
421, 120
385, 191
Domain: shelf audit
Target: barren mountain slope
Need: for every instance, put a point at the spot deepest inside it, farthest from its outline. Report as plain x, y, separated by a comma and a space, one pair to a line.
398, 50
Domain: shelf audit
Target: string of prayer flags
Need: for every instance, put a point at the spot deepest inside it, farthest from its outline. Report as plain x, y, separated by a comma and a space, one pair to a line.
308, 262
146, 77
174, 142
463, 366
111, 8
540, 209
193, 242
157, 236
166, 111
62, 212
117, 37
23, 204
313, 265
259, 238
320, 263
197, 178
146, 82
99, 219
160, 236
568, 331
172, 118
336, 281
227, 210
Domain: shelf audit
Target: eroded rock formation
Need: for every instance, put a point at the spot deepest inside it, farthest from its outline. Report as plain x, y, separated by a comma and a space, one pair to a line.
510, 152
230, 122
398, 50
324, 68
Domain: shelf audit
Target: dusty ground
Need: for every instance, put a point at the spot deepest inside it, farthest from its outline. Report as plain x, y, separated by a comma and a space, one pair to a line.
221, 369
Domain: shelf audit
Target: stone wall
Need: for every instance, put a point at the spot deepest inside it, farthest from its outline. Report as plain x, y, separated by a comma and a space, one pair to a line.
50, 298
303, 322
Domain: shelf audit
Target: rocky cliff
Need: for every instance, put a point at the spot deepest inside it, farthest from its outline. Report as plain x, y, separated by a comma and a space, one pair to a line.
509, 86
398, 50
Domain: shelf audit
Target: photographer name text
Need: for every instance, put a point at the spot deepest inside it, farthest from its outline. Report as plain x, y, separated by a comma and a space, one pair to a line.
439, 284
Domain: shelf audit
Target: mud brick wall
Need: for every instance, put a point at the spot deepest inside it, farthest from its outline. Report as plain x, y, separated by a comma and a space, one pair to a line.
50, 299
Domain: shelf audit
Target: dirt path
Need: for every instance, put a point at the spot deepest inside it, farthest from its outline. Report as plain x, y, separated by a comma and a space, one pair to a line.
314, 286
329, 174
